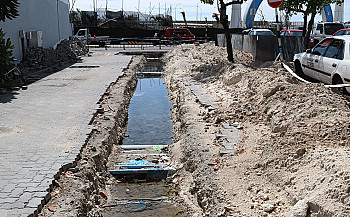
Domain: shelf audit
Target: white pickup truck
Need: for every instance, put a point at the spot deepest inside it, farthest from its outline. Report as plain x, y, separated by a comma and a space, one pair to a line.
84, 34
326, 29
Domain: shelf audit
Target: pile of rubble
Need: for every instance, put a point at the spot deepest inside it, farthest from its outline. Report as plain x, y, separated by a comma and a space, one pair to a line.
40, 58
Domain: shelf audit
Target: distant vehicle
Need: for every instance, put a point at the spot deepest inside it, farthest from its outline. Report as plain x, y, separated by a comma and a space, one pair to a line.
246, 31
179, 34
347, 24
328, 61
342, 32
261, 32
291, 32
296, 32
326, 29
84, 34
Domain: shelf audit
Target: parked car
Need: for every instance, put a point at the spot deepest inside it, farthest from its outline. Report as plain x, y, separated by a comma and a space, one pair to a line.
179, 33
342, 32
261, 32
296, 32
326, 29
328, 61
291, 32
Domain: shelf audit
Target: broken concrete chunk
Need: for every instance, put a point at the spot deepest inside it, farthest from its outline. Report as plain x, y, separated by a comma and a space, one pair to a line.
267, 207
299, 209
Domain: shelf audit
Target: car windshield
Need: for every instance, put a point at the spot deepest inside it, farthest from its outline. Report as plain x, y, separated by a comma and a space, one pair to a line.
335, 50
331, 28
343, 32
179, 32
296, 33
321, 47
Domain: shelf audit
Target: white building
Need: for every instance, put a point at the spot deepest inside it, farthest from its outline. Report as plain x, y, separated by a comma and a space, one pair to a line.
41, 23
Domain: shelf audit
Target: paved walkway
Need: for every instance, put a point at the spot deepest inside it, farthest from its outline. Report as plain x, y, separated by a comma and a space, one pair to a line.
44, 127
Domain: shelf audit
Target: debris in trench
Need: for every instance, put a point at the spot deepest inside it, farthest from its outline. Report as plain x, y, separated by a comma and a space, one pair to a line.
137, 207
158, 147
103, 194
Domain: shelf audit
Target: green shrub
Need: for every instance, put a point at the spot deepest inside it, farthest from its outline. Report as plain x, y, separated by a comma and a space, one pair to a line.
6, 58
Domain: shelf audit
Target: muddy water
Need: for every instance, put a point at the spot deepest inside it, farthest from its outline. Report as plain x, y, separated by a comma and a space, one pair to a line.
149, 117
149, 123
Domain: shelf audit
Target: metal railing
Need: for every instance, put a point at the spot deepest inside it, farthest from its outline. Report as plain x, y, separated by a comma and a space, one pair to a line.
142, 43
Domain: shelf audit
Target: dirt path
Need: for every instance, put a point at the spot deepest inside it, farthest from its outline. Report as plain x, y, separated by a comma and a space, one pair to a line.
293, 156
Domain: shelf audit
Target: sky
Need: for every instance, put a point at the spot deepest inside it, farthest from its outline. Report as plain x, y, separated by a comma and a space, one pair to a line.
194, 9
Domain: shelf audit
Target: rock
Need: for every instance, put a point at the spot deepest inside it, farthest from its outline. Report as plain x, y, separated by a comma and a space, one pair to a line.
300, 209
280, 129
52, 208
301, 151
268, 207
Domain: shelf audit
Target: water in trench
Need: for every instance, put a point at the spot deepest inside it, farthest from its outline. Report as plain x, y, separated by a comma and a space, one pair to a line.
149, 123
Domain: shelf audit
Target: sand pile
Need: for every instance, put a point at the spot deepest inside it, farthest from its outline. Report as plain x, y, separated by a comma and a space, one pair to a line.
293, 130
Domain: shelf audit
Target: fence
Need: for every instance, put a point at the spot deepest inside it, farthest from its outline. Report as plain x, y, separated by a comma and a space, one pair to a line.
264, 47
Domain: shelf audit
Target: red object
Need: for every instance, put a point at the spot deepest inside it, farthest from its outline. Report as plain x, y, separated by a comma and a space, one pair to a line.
341, 32
103, 194
275, 3
179, 33
296, 32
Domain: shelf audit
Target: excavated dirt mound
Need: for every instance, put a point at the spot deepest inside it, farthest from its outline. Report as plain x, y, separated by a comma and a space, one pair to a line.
294, 154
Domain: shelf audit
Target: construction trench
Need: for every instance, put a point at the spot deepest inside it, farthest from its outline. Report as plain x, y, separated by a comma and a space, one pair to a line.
248, 139
124, 164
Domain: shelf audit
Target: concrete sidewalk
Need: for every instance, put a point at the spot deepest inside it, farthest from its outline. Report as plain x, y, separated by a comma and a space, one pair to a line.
44, 128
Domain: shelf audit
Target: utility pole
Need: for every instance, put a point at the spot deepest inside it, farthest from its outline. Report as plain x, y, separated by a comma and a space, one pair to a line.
175, 10
94, 2
106, 8
138, 11
122, 8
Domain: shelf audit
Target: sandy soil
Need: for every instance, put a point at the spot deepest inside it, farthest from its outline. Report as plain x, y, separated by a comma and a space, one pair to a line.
295, 148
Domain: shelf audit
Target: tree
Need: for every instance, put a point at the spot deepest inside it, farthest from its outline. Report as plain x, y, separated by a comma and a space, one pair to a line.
306, 7
222, 6
8, 10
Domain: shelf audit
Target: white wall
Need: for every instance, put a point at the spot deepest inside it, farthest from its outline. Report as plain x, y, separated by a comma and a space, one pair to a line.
49, 16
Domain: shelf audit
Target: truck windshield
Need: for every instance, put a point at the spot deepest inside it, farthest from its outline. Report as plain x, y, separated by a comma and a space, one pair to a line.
331, 28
